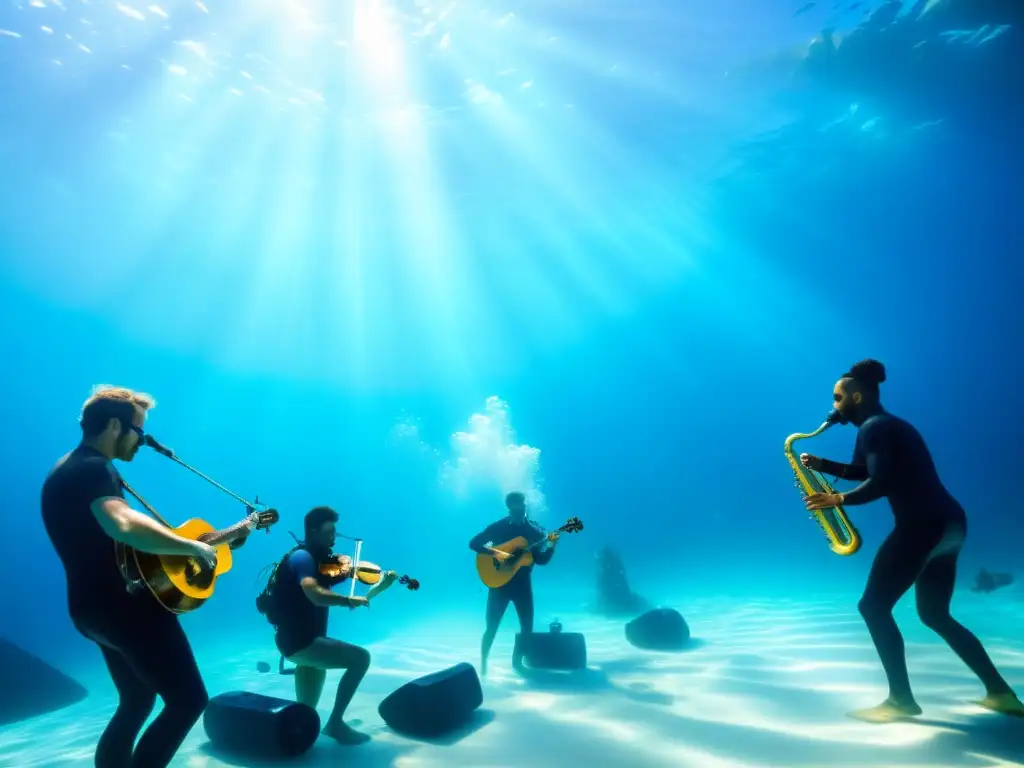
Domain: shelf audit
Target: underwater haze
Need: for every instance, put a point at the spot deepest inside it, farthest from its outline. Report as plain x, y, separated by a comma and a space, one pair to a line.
403, 257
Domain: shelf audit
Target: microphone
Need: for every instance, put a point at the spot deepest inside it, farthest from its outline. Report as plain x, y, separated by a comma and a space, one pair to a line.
153, 443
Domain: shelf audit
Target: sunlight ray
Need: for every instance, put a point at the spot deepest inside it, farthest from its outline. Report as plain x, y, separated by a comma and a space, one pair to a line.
347, 275
163, 176
430, 248
277, 314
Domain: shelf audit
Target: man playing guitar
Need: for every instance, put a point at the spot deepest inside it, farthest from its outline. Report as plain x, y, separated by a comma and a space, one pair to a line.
518, 591
144, 647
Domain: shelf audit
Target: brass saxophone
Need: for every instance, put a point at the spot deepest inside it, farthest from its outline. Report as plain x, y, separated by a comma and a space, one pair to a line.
843, 537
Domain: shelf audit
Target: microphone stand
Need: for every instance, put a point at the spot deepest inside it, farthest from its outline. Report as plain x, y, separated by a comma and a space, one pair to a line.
152, 442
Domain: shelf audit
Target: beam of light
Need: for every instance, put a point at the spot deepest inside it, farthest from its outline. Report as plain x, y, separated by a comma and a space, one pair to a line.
660, 243
137, 154
285, 304
562, 159
377, 43
346, 269
259, 80
426, 234
431, 249
279, 303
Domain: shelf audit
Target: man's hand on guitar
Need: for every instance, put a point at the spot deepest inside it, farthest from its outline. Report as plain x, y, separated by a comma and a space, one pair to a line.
206, 555
506, 560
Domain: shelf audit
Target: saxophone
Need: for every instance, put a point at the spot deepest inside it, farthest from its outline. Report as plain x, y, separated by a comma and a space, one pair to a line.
843, 537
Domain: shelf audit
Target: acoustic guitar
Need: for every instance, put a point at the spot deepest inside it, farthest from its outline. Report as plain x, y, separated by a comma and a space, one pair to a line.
497, 567
182, 584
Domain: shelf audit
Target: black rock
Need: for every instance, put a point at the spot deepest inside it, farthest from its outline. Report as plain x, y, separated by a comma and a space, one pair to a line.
663, 629
30, 687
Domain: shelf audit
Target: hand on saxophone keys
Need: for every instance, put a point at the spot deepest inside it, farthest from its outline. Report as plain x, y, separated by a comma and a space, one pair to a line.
811, 462
823, 500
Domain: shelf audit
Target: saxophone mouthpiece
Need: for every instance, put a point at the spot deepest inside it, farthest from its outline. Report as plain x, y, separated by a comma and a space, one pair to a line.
835, 417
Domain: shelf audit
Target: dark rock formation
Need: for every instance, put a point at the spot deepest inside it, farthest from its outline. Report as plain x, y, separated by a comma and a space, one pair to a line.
30, 687
614, 596
663, 629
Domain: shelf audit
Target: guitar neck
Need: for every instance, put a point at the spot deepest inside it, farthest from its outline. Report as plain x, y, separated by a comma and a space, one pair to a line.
545, 540
226, 535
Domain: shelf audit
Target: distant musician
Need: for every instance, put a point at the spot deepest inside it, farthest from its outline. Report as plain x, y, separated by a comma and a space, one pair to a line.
519, 590
986, 581
145, 649
892, 460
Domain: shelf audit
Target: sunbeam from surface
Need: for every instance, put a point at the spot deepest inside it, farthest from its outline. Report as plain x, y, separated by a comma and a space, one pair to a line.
382, 184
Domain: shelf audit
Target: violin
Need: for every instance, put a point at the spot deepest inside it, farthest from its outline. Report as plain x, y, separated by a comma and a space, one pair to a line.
340, 567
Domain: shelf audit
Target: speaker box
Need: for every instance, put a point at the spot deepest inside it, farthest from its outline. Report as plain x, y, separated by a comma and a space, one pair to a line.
551, 650
434, 704
260, 726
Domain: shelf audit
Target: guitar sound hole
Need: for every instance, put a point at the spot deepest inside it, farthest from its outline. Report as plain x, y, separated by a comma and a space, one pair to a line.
197, 576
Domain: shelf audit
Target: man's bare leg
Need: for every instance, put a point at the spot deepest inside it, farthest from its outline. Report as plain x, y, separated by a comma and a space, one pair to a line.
309, 685
323, 654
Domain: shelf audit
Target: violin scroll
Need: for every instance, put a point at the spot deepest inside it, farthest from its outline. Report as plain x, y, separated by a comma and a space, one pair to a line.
411, 584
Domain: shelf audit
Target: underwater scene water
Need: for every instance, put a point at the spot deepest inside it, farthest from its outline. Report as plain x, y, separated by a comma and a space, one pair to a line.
467, 271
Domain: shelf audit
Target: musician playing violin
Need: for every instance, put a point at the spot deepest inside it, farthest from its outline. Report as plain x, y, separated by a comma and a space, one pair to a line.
302, 597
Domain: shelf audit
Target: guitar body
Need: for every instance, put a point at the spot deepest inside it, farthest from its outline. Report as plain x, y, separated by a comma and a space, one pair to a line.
494, 574
178, 583
488, 566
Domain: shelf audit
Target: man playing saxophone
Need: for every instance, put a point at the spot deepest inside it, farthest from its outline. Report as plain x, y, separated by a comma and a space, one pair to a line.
892, 461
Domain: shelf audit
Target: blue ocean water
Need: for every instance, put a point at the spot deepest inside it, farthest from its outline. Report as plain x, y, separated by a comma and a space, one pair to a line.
402, 257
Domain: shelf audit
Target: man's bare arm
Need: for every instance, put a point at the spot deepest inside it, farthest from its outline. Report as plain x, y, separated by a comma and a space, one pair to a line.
124, 524
321, 596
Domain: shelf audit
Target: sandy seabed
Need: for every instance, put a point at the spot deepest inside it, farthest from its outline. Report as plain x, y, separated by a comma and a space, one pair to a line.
763, 684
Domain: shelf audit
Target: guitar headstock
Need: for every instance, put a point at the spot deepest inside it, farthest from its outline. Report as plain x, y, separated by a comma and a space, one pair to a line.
573, 525
261, 521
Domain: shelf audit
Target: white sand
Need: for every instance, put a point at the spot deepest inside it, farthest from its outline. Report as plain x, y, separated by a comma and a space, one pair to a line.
766, 684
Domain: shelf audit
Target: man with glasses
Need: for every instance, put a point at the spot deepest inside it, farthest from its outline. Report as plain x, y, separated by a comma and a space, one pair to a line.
145, 649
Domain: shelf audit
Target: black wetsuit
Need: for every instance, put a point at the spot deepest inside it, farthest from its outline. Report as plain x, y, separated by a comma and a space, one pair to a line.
143, 645
519, 590
893, 461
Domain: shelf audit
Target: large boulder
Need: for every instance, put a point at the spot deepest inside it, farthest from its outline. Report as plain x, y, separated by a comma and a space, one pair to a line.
30, 687
663, 629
